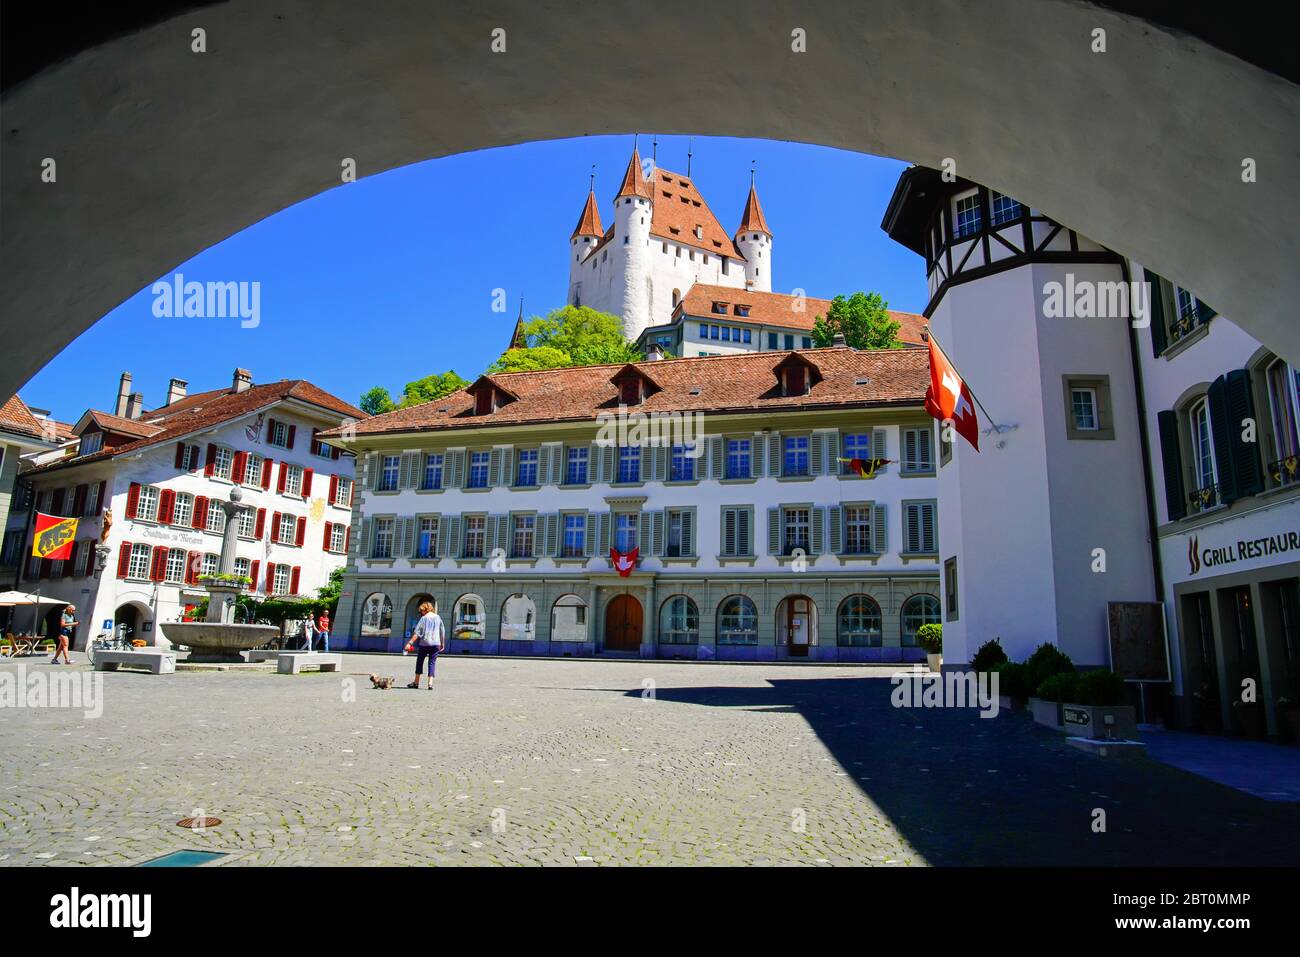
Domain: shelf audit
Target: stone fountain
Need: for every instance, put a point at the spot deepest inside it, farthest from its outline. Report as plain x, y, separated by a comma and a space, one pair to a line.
219, 638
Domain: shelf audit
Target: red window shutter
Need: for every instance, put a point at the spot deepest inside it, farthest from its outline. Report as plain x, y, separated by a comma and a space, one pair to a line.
70, 562
260, 525
133, 500
237, 467
252, 573
79, 500
180, 455
306, 482
335, 452
334, 488
347, 540
56, 503
270, 577
275, 526
352, 491
326, 545
210, 466
47, 565
159, 570
123, 559
166, 506
293, 579
284, 471
103, 487
315, 442
193, 562
270, 430
293, 430
200, 517
266, 472
194, 459
302, 531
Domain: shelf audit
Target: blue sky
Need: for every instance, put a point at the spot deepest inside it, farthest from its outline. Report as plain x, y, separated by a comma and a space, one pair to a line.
391, 278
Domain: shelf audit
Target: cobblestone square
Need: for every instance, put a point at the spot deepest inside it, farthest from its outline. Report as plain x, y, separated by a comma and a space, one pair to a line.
578, 763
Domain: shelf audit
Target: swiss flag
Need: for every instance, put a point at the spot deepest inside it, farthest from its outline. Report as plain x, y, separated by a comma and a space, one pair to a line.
624, 562
949, 398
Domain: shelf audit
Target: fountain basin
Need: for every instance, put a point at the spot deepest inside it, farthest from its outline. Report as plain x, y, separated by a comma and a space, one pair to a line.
215, 641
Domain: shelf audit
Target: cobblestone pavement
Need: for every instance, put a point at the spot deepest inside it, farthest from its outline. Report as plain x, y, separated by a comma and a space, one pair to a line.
573, 763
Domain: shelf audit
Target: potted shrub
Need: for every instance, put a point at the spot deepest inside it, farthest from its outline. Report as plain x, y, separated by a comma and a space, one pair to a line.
987, 655
930, 637
1099, 707
1051, 695
1013, 685
1046, 661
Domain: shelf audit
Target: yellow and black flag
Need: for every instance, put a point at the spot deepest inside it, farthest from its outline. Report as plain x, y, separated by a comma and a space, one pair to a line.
54, 537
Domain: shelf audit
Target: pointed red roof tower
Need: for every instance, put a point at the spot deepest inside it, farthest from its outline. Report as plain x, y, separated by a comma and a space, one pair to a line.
752, 219
634, 183
589, 221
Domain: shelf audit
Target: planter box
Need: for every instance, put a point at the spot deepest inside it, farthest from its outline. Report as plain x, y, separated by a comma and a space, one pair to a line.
1046, 713
935, 662
1089, 721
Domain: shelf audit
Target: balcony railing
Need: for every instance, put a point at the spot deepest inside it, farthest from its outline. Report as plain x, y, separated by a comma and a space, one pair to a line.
1182, 326
1285, 471
1203, 499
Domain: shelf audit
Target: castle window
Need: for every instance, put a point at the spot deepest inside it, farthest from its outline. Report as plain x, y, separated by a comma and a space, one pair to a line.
742, 310
706, 259
677, 297
630, 391
720, 308
966, 218
692, 255
626, 240
748, 334
789, 341
665, 247
1005, 209
699, 232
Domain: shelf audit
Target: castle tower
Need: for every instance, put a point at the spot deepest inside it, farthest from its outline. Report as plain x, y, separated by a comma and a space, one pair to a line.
586, 236
754, 240
630, 242
1048, 521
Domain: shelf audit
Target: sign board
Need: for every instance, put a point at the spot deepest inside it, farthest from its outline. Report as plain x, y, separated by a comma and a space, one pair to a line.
1139, 650
1075, 716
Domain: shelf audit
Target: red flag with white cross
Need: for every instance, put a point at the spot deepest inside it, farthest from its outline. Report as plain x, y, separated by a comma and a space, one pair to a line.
949, 398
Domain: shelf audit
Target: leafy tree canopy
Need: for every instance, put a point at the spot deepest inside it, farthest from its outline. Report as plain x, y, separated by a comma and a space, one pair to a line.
586, 336
431, 387
530, 359
863, 319
376, 401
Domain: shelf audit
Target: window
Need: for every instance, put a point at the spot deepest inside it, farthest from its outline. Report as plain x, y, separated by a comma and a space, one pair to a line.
175, 569
678, 524
147, 504
629, 463
857, 530
1083, 409
575, 536
91, 442
950, 588
138, 565
715, 331
280, 581
773, 340
807, 342
737, 621
726, 333
738, 458
1184, 305
432, 471
966, 218
1005, 209
389, 468
280, 434
526, 472
467, 618
918, 527
293, 479
243, 568
475, 536
575, 471
796, 455
210, 564
522, 539
797, 529
189, 457
859, 622
856, 445
222, 460
478, 469
704, 330
747, 335
92, 498
1283, 385
289, 532
343, 492
1203, 468
917, 611
625, 531
789, 341
679, 622
426, 539
247, 522
737, 525
1087, 407
216, 517
383, 547
918, 451
720, 308
253, 470
183, 511
338, 537
683, 465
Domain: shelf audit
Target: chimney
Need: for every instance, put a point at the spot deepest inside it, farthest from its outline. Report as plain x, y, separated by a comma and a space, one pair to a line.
243, 380
134, 405
123, 395
654, 352
176, 390
839, 339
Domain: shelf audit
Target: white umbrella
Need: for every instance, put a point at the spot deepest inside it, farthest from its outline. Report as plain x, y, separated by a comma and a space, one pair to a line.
9, 599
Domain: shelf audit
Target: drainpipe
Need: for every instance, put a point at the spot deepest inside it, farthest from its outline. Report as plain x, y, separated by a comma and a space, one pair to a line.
1144, 437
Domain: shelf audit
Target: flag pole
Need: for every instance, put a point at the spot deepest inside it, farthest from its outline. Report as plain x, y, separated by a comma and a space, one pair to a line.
988, 415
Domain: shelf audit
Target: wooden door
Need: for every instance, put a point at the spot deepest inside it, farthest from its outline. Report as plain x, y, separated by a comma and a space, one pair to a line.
798, 626
623, 624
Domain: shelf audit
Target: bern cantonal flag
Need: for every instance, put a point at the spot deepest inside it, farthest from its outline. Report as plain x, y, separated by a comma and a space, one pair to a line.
624, 562
949, 398
54, 537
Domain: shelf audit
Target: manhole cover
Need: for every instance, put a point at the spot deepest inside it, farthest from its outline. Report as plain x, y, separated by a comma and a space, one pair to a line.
198, 822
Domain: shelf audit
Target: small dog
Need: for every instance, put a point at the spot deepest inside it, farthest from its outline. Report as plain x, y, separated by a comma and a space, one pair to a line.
383, 684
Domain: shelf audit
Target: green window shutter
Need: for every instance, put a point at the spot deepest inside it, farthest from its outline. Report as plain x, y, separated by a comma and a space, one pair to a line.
411, 468
1239, 402
589, 535
661, 463
401, 537
837, 529
929, 531
608, 464
727, 534
774, 531
879, 446
716, 468
543, 533
1223, 428
774, 454
745, 530
456, 536
1156, 307
494, 468
1204, 313
367, 530
661, 539
643, 533
879, 529
603, 533
545, 458
912, 527
1172, 460
818, 530
504, 533
508, 466
910, 456
489, 535
688, 532
403, 471
444, 536
594, 453
454, 469
816, 453
756, 456
372, 471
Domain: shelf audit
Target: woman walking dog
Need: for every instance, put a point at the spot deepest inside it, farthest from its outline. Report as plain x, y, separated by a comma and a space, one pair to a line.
426, 641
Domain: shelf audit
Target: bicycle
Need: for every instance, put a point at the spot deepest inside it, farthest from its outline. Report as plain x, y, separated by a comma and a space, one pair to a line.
106, 641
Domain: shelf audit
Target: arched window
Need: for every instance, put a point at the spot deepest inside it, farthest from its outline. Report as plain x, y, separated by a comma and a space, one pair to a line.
518, 618
859, 622
737, 621
377, 616
467, 618
917, 611
1202, 445
569, 619
413, 612
679, 622
1284, 409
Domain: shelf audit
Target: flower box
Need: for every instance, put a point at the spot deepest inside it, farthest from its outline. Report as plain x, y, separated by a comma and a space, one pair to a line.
1046, 713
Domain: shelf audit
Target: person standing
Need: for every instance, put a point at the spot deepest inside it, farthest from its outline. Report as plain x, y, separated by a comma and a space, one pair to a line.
323, 629
66, 625
427, 641
307, 629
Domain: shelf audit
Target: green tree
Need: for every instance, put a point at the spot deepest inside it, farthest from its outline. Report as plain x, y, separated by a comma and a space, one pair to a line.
530, 359
431, 387
376, 401
862, 318
585, 336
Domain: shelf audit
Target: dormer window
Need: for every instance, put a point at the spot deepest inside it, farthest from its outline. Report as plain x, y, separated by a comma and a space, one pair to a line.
797, 375
483, 404
489, 395
91, 442
629, 392
796, 381
720, 308
634, 386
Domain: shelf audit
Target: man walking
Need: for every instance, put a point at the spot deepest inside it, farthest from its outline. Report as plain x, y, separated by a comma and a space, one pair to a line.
323, 629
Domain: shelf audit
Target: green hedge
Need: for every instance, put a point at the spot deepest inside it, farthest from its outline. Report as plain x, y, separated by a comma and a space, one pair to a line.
930, 637
989, 654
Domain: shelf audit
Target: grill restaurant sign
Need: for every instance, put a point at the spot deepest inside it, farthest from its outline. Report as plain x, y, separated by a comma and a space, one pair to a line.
1242, 550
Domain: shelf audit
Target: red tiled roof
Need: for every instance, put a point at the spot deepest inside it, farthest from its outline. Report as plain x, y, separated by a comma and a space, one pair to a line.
15, 417
678, 208
203, 411
752, 219
737, 383
779, 309
634, 183
589, 221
